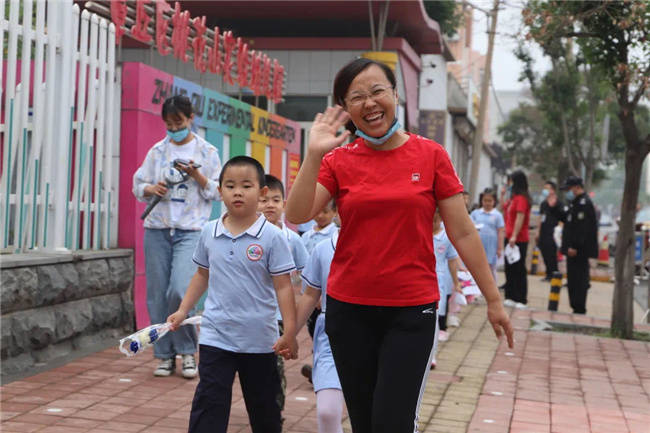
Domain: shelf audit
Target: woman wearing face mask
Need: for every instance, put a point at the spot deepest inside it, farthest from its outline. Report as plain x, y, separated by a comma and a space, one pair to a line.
551, 211
517, 219
174, 225
382, 287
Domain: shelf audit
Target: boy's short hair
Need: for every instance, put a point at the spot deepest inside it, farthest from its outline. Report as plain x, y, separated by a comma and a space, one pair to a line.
274, 183
242, 160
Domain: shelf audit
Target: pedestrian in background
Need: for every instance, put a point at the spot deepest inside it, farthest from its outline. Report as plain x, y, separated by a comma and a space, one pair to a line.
324, 227
382, 288
447, 273
491, 227
579, 241
517, 219
272, 206
173, 227
329, 397
551, 211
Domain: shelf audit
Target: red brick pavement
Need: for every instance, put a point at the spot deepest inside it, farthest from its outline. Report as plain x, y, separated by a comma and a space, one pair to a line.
565, 383
107, 392
550, 382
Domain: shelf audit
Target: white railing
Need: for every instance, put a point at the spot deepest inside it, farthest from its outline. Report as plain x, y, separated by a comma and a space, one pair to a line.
59, 131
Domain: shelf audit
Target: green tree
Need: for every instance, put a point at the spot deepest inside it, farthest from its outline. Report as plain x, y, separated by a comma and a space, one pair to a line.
446, 13
565, 122
613, 38
528, 144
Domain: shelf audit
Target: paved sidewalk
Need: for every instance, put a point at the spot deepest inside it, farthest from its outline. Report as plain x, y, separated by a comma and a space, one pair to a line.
550, 382
560, 382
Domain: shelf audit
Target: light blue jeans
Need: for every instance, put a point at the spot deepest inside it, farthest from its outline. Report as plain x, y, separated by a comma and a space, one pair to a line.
169, 268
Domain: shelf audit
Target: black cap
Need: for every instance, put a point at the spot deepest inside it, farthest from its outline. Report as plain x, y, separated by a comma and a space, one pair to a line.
571, 181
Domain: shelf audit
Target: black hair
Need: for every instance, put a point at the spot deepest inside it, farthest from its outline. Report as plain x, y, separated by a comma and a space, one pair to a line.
274, 183
244, 161
520, 185
551, 184
177, 105
348, 73
488, 191
331, 204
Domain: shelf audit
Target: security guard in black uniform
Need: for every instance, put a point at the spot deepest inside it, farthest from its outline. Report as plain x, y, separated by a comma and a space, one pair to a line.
579, 241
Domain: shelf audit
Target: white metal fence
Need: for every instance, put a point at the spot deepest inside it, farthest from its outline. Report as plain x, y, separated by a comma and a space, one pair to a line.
59, 130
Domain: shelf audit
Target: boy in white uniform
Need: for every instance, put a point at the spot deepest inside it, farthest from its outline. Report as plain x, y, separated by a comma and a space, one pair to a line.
272, 206
329, 397
323, 229
446, 272
244, 262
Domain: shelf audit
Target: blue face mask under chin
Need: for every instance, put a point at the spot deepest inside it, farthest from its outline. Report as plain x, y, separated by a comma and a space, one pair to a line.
378, 141
179, 135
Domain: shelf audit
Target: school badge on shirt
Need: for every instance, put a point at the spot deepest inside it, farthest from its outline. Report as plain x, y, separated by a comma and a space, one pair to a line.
254, 252
415, 177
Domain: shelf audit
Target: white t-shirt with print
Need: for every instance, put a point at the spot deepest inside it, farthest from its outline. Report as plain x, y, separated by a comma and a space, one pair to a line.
178, 193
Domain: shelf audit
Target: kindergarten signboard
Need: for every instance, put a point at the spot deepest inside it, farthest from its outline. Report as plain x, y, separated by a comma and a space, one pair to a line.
232, 126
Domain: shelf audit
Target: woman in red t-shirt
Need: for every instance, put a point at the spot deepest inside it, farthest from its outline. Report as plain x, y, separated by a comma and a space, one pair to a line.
382, 288
517, 218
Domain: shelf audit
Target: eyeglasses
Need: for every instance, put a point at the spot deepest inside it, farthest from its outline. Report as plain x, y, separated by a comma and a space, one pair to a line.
360, 98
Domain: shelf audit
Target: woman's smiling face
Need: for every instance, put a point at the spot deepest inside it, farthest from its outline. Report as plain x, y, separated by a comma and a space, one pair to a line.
371, 101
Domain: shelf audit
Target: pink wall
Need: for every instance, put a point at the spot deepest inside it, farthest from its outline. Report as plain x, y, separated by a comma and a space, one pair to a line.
141, 128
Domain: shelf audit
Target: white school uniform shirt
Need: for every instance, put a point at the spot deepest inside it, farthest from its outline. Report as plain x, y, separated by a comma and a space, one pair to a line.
186, 206
240, 308
298, 249
312, 237
304, 227
318, 267
298, 253
444, 251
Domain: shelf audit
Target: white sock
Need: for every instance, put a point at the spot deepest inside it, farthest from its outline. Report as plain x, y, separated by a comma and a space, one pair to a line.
329, 410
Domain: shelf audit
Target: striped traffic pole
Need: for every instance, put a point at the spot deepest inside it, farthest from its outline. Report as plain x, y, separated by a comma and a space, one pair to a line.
554, 295
534, 262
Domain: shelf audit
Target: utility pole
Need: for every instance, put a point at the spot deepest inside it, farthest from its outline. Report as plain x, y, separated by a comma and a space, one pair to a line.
477, 147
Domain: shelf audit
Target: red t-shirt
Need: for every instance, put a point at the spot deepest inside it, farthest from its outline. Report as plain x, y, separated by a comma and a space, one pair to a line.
386, 201
518, 203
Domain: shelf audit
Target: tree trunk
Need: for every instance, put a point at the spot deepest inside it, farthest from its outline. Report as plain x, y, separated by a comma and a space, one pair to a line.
567, 145
589, 176
623, 302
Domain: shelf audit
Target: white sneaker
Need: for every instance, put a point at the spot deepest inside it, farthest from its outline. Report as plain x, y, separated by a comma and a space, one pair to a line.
520, 306
165, 368
443, 336
509, 303
453, 321
189, 367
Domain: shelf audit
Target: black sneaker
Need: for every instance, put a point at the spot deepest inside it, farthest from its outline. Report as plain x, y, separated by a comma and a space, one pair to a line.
165, 368
189, 367
306, 371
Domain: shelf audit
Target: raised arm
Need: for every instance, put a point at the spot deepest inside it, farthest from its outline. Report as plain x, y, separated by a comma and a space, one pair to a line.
307, 197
